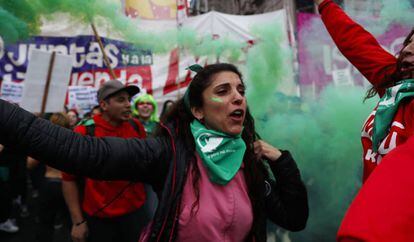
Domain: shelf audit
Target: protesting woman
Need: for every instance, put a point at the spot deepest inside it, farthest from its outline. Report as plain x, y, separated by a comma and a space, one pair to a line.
382, 211
216, 181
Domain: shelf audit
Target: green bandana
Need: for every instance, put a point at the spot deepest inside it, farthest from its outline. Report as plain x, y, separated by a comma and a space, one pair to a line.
221, 153
387, 107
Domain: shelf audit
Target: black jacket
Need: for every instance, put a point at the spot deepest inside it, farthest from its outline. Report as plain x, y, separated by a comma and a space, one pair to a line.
161, 162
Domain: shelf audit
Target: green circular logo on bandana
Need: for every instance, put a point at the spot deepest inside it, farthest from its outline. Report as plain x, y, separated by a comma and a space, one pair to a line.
208, 142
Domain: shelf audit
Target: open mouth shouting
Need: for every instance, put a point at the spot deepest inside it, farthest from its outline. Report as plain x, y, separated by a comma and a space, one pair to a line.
237, 115
127, 113
407, 67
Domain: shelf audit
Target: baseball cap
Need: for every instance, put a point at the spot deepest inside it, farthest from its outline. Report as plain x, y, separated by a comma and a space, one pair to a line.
114, 86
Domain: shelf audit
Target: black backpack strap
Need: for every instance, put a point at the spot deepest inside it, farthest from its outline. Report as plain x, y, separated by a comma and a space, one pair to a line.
134, 126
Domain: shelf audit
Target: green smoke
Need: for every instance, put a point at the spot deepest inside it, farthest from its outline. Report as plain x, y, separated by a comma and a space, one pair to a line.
18, 20
323, 134
266, 67
21, 19
396, 11
12, 28
378, 15
324, 137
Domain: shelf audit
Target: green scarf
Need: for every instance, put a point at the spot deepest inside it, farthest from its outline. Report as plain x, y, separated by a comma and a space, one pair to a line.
387, 107
221, 153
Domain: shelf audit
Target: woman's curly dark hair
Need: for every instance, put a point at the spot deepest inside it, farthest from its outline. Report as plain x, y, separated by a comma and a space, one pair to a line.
254, 170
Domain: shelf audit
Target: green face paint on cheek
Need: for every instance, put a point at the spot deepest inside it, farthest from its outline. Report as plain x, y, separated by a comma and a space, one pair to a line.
216, 99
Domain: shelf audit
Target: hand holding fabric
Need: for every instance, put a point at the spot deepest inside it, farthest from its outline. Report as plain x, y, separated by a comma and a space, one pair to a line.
264, 150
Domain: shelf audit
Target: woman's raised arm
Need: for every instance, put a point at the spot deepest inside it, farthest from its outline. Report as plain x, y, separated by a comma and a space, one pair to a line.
98, 158
356, 44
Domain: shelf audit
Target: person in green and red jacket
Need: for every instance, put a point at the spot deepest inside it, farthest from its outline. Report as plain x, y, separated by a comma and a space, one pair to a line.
145, 109
377, 214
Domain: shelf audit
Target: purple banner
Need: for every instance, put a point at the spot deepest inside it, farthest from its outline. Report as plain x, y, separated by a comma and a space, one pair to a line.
320, 61
85, 50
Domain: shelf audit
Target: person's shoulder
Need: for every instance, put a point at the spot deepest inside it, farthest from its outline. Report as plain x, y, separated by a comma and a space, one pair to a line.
81, 127
139, 127
136, 120
410, 107
411, 102
87, 122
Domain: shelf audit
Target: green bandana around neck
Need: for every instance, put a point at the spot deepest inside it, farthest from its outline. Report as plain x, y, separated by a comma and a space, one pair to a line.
221, 153
387, 107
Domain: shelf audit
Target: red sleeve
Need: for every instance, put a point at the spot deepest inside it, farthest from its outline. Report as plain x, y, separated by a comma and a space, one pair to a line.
80, 129
66, 176
357, 44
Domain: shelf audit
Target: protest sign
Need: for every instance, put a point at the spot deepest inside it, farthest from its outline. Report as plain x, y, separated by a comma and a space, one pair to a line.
46, 82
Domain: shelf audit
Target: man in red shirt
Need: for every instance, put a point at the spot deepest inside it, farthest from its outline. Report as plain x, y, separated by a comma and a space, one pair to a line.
112, 209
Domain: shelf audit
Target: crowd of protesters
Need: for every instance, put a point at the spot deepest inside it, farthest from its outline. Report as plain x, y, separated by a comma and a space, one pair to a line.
204, 160
90, 210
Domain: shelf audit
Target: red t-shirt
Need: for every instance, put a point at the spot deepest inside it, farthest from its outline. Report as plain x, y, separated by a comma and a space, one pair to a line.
366, 54
383, 210
97, 194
